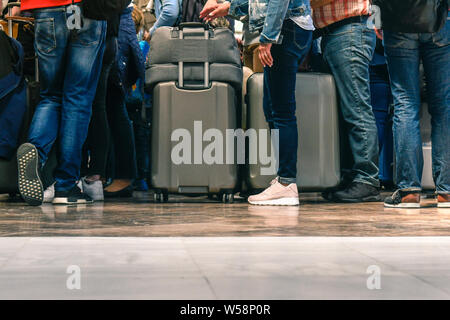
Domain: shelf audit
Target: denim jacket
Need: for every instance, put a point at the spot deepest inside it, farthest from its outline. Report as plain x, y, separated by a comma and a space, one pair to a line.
267, 16
167, 12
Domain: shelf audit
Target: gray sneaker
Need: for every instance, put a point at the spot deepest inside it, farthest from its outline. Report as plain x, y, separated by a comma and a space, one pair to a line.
93, 189
49, 194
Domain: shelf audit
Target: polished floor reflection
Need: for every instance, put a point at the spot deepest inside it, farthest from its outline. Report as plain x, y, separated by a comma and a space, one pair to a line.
232, 268
200, 217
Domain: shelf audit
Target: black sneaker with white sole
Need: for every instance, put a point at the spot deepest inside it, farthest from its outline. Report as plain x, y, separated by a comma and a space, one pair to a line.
72, 197
403, 199
30, 184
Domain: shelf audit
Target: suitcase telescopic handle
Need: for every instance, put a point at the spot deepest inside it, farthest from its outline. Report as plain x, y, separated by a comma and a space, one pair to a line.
10, 22
181, 63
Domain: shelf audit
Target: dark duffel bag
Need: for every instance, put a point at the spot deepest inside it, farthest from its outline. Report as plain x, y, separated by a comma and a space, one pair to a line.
413, 16
167, 50
190, 11
103, 9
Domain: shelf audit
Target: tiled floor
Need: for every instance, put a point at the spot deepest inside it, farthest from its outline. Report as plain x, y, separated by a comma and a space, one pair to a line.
192, 248
224, 268
141, 217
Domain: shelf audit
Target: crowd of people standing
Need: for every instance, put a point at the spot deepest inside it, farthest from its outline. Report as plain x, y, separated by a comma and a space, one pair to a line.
89, 77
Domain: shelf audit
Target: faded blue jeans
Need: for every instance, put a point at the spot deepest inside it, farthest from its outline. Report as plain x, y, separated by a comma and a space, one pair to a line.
404, 52
348, 50
69, 69
279, 95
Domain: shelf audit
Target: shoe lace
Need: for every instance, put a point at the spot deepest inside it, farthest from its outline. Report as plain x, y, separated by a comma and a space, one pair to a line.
396, 196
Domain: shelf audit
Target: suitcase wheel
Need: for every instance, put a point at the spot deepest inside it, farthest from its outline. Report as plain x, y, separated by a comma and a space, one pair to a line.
227, 198
160, 197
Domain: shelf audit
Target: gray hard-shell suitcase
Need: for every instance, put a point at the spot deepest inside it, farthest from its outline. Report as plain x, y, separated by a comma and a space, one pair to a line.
318, 162
183, 111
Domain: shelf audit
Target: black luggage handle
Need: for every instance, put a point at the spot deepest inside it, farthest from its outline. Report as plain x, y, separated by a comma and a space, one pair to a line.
196, 25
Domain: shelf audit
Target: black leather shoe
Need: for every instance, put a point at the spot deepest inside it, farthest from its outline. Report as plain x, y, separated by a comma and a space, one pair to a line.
124, 193
329, 193
72, 197
357, 192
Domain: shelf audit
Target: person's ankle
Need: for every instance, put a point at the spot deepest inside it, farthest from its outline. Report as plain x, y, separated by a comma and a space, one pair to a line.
286, 182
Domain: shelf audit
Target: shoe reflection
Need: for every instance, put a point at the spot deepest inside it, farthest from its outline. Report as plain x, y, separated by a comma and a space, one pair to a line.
53, 212
274, 216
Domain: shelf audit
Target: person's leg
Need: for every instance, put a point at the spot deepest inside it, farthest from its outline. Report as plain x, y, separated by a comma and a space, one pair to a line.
279, 108
125, 168
436, 61
402, 53
80, 85
51, 42
99, 133
142, 136
51, 38
381, 104
267, 99
403, 62
348, 51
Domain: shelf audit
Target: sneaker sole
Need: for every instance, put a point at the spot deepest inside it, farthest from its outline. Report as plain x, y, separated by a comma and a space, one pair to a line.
30, 184
403, 205
367, 199
444, 205
65, 201
277, 202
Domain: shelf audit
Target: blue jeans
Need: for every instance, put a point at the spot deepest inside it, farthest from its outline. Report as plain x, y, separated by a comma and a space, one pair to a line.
279, 95
348, 50
381, 105
404, 52
69, 69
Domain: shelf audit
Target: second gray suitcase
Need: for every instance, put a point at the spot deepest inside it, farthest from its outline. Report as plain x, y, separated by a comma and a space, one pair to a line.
318, 163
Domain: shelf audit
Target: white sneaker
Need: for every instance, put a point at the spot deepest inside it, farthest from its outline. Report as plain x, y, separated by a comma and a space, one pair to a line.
49, 194
277, 195
93, 189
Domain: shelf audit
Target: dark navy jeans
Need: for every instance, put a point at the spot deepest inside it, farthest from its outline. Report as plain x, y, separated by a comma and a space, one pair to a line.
404, 52
69, 69
279, 95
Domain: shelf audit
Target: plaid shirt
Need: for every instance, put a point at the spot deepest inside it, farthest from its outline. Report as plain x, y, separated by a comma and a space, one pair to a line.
339, 10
